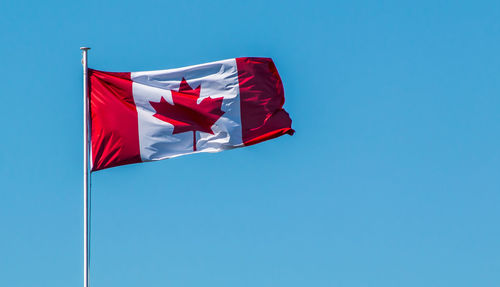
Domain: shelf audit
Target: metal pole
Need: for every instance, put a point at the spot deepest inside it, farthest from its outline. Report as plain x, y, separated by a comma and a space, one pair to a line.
85, 170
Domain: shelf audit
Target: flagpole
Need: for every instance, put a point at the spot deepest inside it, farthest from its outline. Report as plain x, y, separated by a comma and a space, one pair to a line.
85, 170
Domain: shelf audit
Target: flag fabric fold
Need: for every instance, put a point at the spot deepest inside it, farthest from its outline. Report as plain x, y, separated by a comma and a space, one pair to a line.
146, 116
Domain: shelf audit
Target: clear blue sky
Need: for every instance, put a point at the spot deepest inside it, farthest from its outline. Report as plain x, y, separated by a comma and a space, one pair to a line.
392, 179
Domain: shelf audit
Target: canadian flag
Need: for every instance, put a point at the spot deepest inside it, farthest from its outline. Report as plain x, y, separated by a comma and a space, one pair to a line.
145, 116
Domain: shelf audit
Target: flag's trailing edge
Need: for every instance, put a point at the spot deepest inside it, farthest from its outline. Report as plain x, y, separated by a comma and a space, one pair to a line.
145, 116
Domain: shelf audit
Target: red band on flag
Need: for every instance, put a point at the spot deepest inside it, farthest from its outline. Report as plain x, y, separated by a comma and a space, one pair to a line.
261, 100
114, 126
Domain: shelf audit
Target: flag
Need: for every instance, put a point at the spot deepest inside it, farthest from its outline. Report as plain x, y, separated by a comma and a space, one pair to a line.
146, 116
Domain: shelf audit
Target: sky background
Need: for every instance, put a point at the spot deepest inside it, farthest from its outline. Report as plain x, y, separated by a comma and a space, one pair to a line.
392, 178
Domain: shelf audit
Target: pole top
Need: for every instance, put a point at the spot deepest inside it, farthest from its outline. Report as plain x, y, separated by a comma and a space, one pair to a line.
84, 48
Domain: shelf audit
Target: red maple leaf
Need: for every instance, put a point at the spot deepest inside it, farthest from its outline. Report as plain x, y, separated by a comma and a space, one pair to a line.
186, 114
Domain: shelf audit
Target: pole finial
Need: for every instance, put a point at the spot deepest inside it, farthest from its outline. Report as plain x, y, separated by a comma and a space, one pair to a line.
84, 48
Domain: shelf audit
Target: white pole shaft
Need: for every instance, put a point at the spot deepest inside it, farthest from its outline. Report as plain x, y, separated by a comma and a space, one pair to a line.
85, 170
